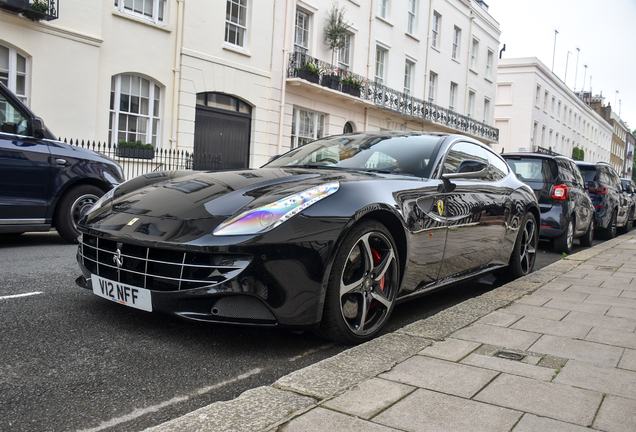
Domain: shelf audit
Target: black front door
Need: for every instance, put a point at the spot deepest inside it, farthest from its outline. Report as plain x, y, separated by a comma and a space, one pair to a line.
221, 133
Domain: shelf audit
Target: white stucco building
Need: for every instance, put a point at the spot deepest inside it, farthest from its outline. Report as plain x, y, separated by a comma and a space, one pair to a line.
221, 76
535, 109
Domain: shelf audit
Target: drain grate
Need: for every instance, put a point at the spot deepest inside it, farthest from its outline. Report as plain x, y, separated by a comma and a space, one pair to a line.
509, 355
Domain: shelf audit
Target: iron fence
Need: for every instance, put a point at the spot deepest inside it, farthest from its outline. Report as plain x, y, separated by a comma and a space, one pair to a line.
384, 97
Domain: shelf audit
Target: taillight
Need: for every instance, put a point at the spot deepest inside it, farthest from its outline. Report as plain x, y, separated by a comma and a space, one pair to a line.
601, 190
560, 192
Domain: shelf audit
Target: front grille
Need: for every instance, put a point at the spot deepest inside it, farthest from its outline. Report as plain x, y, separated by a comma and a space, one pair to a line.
157, 269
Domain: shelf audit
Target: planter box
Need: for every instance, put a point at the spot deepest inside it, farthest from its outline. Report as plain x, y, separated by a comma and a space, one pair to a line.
14, 5
331, 81
135, 153
352, 90
310, 76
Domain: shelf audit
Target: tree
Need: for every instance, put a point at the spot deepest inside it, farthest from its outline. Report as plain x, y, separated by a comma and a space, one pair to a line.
336, 29
578, 154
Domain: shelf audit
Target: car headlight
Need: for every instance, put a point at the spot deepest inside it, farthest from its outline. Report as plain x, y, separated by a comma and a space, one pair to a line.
106, 198
270, 216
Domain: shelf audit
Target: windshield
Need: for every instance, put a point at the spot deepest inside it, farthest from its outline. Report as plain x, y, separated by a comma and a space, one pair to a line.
405, 154
533, 169
589, 172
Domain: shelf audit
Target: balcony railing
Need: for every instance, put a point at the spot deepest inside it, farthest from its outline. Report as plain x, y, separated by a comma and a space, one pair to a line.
322, 73
35, 10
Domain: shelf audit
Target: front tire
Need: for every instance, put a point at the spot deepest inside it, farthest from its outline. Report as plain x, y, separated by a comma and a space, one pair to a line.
563, 243
72, 206
524, 252
362, 286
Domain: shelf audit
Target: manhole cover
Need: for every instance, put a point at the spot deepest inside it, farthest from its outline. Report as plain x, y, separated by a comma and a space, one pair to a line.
509, 355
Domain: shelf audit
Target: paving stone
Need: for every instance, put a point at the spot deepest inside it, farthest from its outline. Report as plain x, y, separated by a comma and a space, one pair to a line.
556, 328
556, 286
603, 355
612, 301
534, 299
580, 307
509, 366
498, 336
621, 312
369, 397
532, 423
500, 319
628, 361
628, 294
427, 411
601, 379
616, 415
324, 420
562, 295
539, 312
612, 292
621, 324
440, 375
544, 399
253, 410
438, 326
612, 337
450, 349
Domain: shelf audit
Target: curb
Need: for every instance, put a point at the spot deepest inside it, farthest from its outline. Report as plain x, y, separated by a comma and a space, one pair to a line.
268, 407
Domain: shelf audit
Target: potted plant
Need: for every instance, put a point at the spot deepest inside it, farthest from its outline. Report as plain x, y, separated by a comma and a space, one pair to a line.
309, 70
351, 84
331, 79
37, 11
336, 30
135, 149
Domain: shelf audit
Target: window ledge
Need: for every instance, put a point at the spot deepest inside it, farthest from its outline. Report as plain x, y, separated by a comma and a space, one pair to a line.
436, 49
236, 49
455, 60
384, 20
141, 20
412, 36
474, 71
488, 79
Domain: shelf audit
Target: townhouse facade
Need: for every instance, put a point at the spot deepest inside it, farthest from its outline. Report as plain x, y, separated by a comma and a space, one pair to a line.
620, 151
181, 74
534, 108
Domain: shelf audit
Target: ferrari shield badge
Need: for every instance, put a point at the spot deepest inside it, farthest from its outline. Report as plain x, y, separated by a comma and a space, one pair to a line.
440, 207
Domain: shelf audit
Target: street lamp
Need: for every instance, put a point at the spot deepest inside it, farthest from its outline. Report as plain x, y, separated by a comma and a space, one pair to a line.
615, 97
566, 68
576, 70
556, 32
584, 74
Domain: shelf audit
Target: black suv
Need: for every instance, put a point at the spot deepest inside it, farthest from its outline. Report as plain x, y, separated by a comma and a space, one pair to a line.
566, 209
614, 208
45, 183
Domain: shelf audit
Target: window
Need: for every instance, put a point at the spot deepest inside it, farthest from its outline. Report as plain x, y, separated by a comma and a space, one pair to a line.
462, 151
559, 110
301, 33
410, 24
307, 126
534, 135
383, 8
456, 36
135, 104
344, 54
473, 55
471, 103
545, 102
543, 136
380, 58
537, 96
550, 138
236, 22
486, 110
151, 10
12, 121
13, 71
408, 76
452, 97
437, 22
432, 83
553, 105
556, 142
489, 63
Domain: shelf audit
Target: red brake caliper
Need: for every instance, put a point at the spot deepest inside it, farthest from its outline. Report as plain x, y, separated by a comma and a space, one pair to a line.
376, 259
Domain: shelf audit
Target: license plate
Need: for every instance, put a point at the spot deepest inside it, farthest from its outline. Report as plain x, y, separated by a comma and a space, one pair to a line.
118, 292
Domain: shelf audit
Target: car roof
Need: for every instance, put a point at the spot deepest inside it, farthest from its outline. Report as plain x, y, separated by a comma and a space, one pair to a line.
536, 155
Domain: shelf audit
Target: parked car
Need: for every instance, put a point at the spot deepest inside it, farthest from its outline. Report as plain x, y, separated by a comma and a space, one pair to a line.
630, 188
614, 208
566, 208
328, 236
45, 183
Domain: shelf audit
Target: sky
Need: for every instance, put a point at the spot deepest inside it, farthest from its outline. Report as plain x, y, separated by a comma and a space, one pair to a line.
602, 30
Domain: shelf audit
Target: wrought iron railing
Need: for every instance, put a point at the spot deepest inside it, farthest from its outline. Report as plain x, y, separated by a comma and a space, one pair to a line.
35, 10
322, 73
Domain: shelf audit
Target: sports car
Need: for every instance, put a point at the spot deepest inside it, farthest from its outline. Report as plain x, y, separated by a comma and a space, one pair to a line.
327, 237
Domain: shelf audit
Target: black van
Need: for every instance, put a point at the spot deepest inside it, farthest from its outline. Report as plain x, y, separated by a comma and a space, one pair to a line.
566, 208
45, 183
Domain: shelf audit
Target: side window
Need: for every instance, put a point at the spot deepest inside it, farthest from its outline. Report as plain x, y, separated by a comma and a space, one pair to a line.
577, 174
498, 167
463, 151
11, 119
565, 172
603, 176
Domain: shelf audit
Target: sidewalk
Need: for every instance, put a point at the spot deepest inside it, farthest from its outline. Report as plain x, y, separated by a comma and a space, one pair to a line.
553, 351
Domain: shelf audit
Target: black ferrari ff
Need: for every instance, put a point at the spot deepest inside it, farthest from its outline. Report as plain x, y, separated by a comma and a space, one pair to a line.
328, 236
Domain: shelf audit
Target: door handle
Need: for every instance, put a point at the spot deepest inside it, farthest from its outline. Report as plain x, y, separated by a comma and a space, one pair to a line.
60, 161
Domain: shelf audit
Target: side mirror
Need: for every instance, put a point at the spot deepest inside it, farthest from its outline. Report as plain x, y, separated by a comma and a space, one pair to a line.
470, 169
38, 127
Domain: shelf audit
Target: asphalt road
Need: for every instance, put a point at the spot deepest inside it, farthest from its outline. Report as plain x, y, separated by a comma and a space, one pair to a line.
71, 361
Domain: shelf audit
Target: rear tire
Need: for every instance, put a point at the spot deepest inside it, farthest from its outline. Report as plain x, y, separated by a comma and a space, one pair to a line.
610, 232
362, 285
563, 243
588, 238
525, 251
72, 206
630, 222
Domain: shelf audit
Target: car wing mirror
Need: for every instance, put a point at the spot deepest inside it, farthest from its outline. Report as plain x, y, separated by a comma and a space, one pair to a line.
469, 169
38, 127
